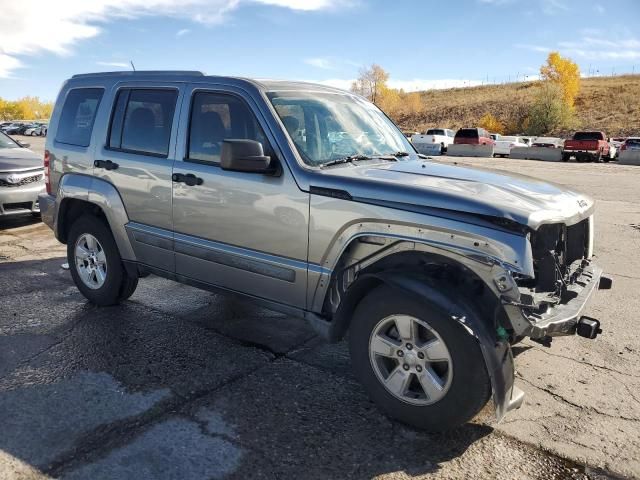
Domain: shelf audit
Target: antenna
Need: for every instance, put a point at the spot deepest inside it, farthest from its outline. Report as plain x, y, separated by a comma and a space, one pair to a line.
132, 65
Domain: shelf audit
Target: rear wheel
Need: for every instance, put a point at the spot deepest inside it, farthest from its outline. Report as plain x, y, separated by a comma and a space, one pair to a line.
95, 263
566, 157
417, 364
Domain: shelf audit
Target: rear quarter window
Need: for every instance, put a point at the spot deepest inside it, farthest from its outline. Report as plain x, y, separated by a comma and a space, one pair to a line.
142, 121
78, 115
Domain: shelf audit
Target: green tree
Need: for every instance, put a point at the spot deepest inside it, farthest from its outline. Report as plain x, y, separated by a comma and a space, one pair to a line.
549, 111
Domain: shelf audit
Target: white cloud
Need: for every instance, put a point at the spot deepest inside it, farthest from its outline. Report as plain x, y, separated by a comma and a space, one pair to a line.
533, 48
320, 62
8, 64
114, 64
182, 32
28, 27
553, 7
594, 48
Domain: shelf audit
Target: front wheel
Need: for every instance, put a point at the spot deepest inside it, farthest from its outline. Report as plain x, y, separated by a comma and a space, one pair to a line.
417, 364
95, 263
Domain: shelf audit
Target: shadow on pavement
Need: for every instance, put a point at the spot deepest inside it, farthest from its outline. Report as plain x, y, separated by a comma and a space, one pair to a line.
142, 387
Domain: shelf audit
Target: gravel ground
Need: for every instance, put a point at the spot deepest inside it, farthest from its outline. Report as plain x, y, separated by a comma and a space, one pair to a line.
181, 383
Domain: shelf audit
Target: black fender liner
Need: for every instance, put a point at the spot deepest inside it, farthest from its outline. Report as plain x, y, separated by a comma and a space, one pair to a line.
496, 352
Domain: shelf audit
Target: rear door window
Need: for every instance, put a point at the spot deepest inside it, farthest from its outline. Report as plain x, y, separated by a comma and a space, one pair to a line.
78, 115
142, 121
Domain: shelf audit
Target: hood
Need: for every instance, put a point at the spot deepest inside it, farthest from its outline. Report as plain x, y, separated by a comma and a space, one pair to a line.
468, 190
17, 159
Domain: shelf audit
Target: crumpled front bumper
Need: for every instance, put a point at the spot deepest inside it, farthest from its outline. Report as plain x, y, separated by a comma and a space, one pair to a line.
564, 317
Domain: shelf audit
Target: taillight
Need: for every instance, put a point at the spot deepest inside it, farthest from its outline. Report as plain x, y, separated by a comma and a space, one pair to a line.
47, 174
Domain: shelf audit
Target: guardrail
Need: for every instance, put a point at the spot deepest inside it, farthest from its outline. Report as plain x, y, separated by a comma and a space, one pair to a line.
629, 157
470, 151
536, 153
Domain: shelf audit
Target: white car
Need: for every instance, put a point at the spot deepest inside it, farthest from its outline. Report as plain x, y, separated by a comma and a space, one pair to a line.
433, 141
505, 143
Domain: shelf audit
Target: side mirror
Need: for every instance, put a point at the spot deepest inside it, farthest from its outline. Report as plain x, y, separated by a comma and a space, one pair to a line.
244, 156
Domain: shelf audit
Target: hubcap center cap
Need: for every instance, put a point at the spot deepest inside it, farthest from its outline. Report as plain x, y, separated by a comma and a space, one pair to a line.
410, 358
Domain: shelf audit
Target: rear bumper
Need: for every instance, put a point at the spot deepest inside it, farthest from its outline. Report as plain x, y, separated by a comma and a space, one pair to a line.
47, 209
20, 200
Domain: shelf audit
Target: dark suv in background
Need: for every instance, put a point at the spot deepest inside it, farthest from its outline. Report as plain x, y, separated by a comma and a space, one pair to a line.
473, 136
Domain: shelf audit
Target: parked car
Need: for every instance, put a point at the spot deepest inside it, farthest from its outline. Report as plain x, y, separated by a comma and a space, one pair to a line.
36, 131
473, 136
495, 136
548, 142
433, 269
21, 178
588, 147
18, 128
505, 143
12, 128
434, 140
631, 143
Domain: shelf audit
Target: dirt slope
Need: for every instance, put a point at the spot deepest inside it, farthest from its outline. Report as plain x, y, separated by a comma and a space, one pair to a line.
611, 104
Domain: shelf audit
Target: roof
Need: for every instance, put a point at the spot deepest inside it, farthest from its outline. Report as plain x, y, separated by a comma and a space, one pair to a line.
196, 76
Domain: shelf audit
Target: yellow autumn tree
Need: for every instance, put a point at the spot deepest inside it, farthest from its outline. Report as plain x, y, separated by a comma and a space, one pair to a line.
491, 123
565, 73
27, 108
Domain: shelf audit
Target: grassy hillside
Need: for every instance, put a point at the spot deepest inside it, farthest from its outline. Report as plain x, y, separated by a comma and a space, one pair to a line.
611, 104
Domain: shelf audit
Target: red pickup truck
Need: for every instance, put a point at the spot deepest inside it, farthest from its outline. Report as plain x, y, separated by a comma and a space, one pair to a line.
587, 147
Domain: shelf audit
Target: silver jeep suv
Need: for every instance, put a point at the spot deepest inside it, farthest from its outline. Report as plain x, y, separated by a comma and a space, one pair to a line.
309, 200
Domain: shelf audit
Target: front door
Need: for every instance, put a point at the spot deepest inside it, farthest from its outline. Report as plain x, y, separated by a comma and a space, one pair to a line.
241, 231
137, 158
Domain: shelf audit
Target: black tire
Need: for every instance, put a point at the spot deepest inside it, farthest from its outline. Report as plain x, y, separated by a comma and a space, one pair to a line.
118, 284
566, 157
470, 387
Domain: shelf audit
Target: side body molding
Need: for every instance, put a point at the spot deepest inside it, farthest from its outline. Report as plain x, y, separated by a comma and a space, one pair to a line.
102, 194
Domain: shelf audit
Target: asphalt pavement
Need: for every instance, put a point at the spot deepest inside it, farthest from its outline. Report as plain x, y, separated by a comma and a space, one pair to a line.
186, 384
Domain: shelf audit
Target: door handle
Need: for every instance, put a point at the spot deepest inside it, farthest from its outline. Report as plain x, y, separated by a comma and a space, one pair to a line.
188, 178
106, 164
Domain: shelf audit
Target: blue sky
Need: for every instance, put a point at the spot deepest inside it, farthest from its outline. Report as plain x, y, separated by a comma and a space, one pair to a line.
422, 44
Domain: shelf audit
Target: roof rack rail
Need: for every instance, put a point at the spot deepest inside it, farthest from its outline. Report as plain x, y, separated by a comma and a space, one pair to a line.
193, 73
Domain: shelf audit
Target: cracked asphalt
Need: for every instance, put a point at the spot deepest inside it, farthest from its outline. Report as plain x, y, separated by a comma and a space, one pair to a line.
185, 384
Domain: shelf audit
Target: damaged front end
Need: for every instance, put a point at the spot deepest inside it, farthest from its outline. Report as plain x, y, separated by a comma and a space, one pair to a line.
552, 302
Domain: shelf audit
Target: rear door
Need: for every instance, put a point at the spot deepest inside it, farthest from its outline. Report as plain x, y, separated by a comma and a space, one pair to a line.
137, 157
246, 232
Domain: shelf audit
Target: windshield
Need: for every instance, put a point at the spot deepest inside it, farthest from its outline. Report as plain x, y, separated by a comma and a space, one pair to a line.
329, 126
6, 142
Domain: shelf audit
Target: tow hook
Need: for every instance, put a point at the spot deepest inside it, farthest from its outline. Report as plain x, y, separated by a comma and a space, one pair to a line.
588, 327
605, 283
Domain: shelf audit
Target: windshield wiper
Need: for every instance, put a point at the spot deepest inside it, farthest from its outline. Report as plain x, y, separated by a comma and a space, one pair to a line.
399, 154
347, 159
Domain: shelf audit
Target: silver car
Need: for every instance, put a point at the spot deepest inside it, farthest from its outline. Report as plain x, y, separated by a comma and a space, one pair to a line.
21, 178
309, 200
